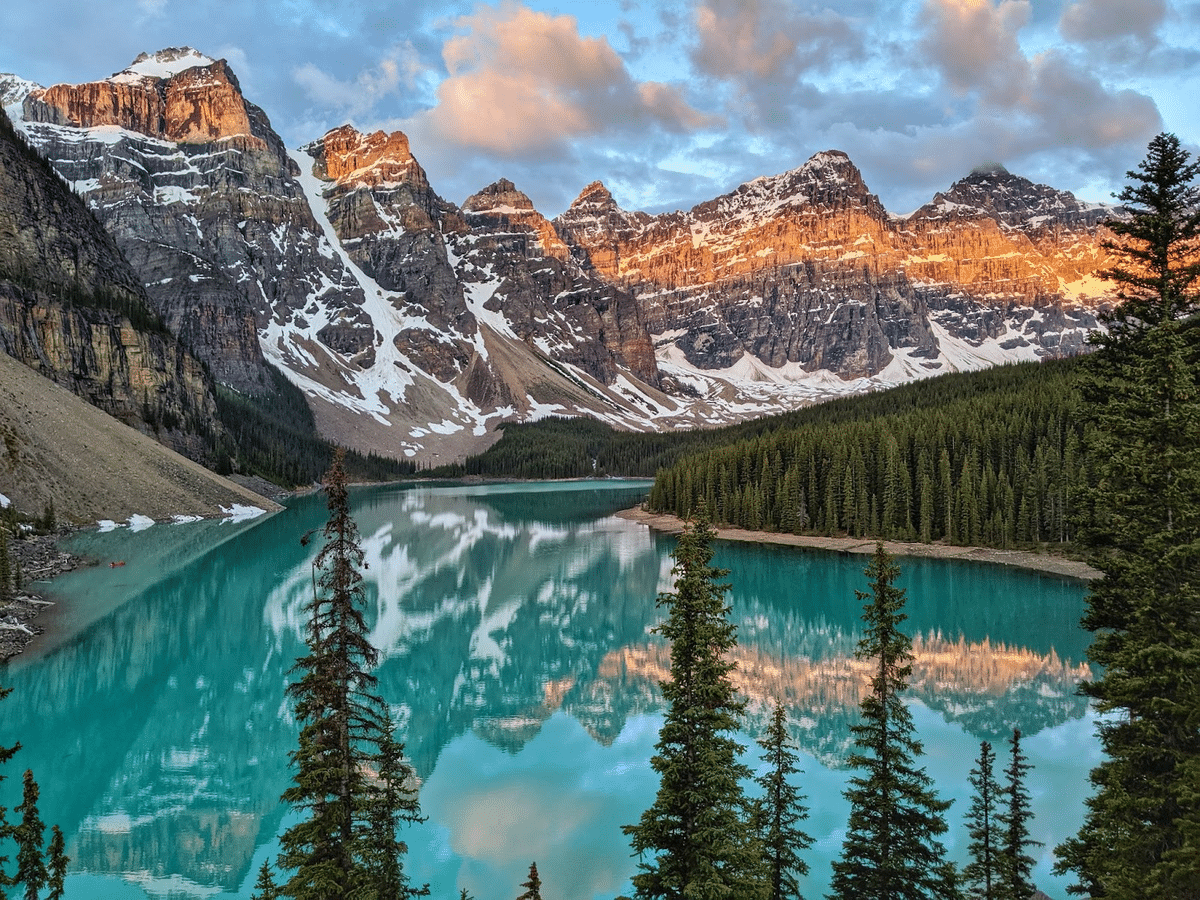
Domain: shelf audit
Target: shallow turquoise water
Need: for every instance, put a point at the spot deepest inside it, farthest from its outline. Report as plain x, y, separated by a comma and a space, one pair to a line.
514, 625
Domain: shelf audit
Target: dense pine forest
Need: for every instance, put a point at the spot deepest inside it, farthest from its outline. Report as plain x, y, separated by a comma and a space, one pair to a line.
991, 458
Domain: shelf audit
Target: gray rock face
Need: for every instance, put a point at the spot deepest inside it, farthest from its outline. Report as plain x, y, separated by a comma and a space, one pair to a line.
72, 309
202, 200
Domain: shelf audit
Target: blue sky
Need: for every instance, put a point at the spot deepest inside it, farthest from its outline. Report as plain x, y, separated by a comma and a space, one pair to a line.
673, 102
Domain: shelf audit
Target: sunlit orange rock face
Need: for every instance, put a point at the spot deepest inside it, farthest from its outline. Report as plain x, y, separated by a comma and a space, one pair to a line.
959, 679
197, 105
371, 158
377, 184
822, 215
808, 267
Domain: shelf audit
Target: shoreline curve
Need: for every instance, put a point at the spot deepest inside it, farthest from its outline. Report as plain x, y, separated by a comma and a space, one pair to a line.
1039, 562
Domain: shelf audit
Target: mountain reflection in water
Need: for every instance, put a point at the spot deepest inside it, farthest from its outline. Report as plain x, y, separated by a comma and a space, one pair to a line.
514, 623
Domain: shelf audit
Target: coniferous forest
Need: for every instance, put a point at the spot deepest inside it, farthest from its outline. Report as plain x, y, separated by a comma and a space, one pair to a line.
993, 458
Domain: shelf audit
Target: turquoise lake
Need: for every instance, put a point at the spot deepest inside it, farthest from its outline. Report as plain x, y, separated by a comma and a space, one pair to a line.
514, 624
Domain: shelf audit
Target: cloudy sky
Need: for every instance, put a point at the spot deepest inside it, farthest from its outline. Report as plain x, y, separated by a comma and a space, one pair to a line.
671, 102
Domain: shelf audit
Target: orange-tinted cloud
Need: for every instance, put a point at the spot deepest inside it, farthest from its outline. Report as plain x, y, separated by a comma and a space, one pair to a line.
520, 80
1049, 98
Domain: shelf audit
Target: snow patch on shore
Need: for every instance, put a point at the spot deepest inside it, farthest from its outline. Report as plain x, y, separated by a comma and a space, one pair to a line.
5, 503
240, 513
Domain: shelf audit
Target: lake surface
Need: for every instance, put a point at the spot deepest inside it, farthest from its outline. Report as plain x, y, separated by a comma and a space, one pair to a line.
514, 628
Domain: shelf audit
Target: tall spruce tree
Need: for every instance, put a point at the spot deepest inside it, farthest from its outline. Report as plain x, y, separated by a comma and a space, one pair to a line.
533, 887
30, 836
1141, 833
982, 874
334, 851
264, 886
891, 848
391, 804
1016, 866
56, 864
695, 839
780, 810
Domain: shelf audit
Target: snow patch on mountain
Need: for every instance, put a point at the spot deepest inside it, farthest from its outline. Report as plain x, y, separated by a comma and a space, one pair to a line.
162, 64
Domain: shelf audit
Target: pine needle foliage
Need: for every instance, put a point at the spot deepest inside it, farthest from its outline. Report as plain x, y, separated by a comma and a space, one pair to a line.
780, 810
1141, 833
891, 848
533, 887
56, 864
1016, 865
30, 836
338, 849
694, 840
36, 869
264, 886
989, 458
981, 876
391, 804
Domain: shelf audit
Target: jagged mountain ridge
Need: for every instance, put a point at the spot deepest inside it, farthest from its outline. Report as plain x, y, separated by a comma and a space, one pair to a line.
73, 310
416, 327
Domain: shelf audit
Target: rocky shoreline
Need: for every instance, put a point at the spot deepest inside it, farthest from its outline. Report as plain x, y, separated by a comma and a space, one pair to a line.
1040, 562
40, 560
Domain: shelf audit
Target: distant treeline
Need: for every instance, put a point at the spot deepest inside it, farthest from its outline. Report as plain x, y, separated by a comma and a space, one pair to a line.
275, 437
989, 457
992, 458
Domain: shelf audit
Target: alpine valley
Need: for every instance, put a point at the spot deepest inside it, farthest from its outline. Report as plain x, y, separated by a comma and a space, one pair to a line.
416, 327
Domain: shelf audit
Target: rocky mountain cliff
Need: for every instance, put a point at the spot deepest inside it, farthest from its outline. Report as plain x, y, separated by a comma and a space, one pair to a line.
416, 327
73, 310
806, 272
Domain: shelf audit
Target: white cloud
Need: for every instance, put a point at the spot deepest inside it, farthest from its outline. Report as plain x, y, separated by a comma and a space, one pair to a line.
152, 9
1104, 20
768, 40
398, 69
974, 45
1045, 101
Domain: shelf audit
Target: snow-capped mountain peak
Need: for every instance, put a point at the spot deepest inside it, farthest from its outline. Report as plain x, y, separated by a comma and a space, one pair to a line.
163, 64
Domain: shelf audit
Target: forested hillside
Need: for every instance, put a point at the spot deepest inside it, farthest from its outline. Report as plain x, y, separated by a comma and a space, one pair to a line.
991, 458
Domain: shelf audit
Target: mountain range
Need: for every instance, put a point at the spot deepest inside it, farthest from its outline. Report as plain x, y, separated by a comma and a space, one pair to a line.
417, 327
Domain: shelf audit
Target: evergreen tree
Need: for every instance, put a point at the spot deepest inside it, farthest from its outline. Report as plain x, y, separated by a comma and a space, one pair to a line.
30, 835
891, 848
533, 887
780, 811
1141, 833
265, 887
1016, 865
335, 850
695, 833
982, 873
391, 803
6, 585
56, 865
1158, 271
